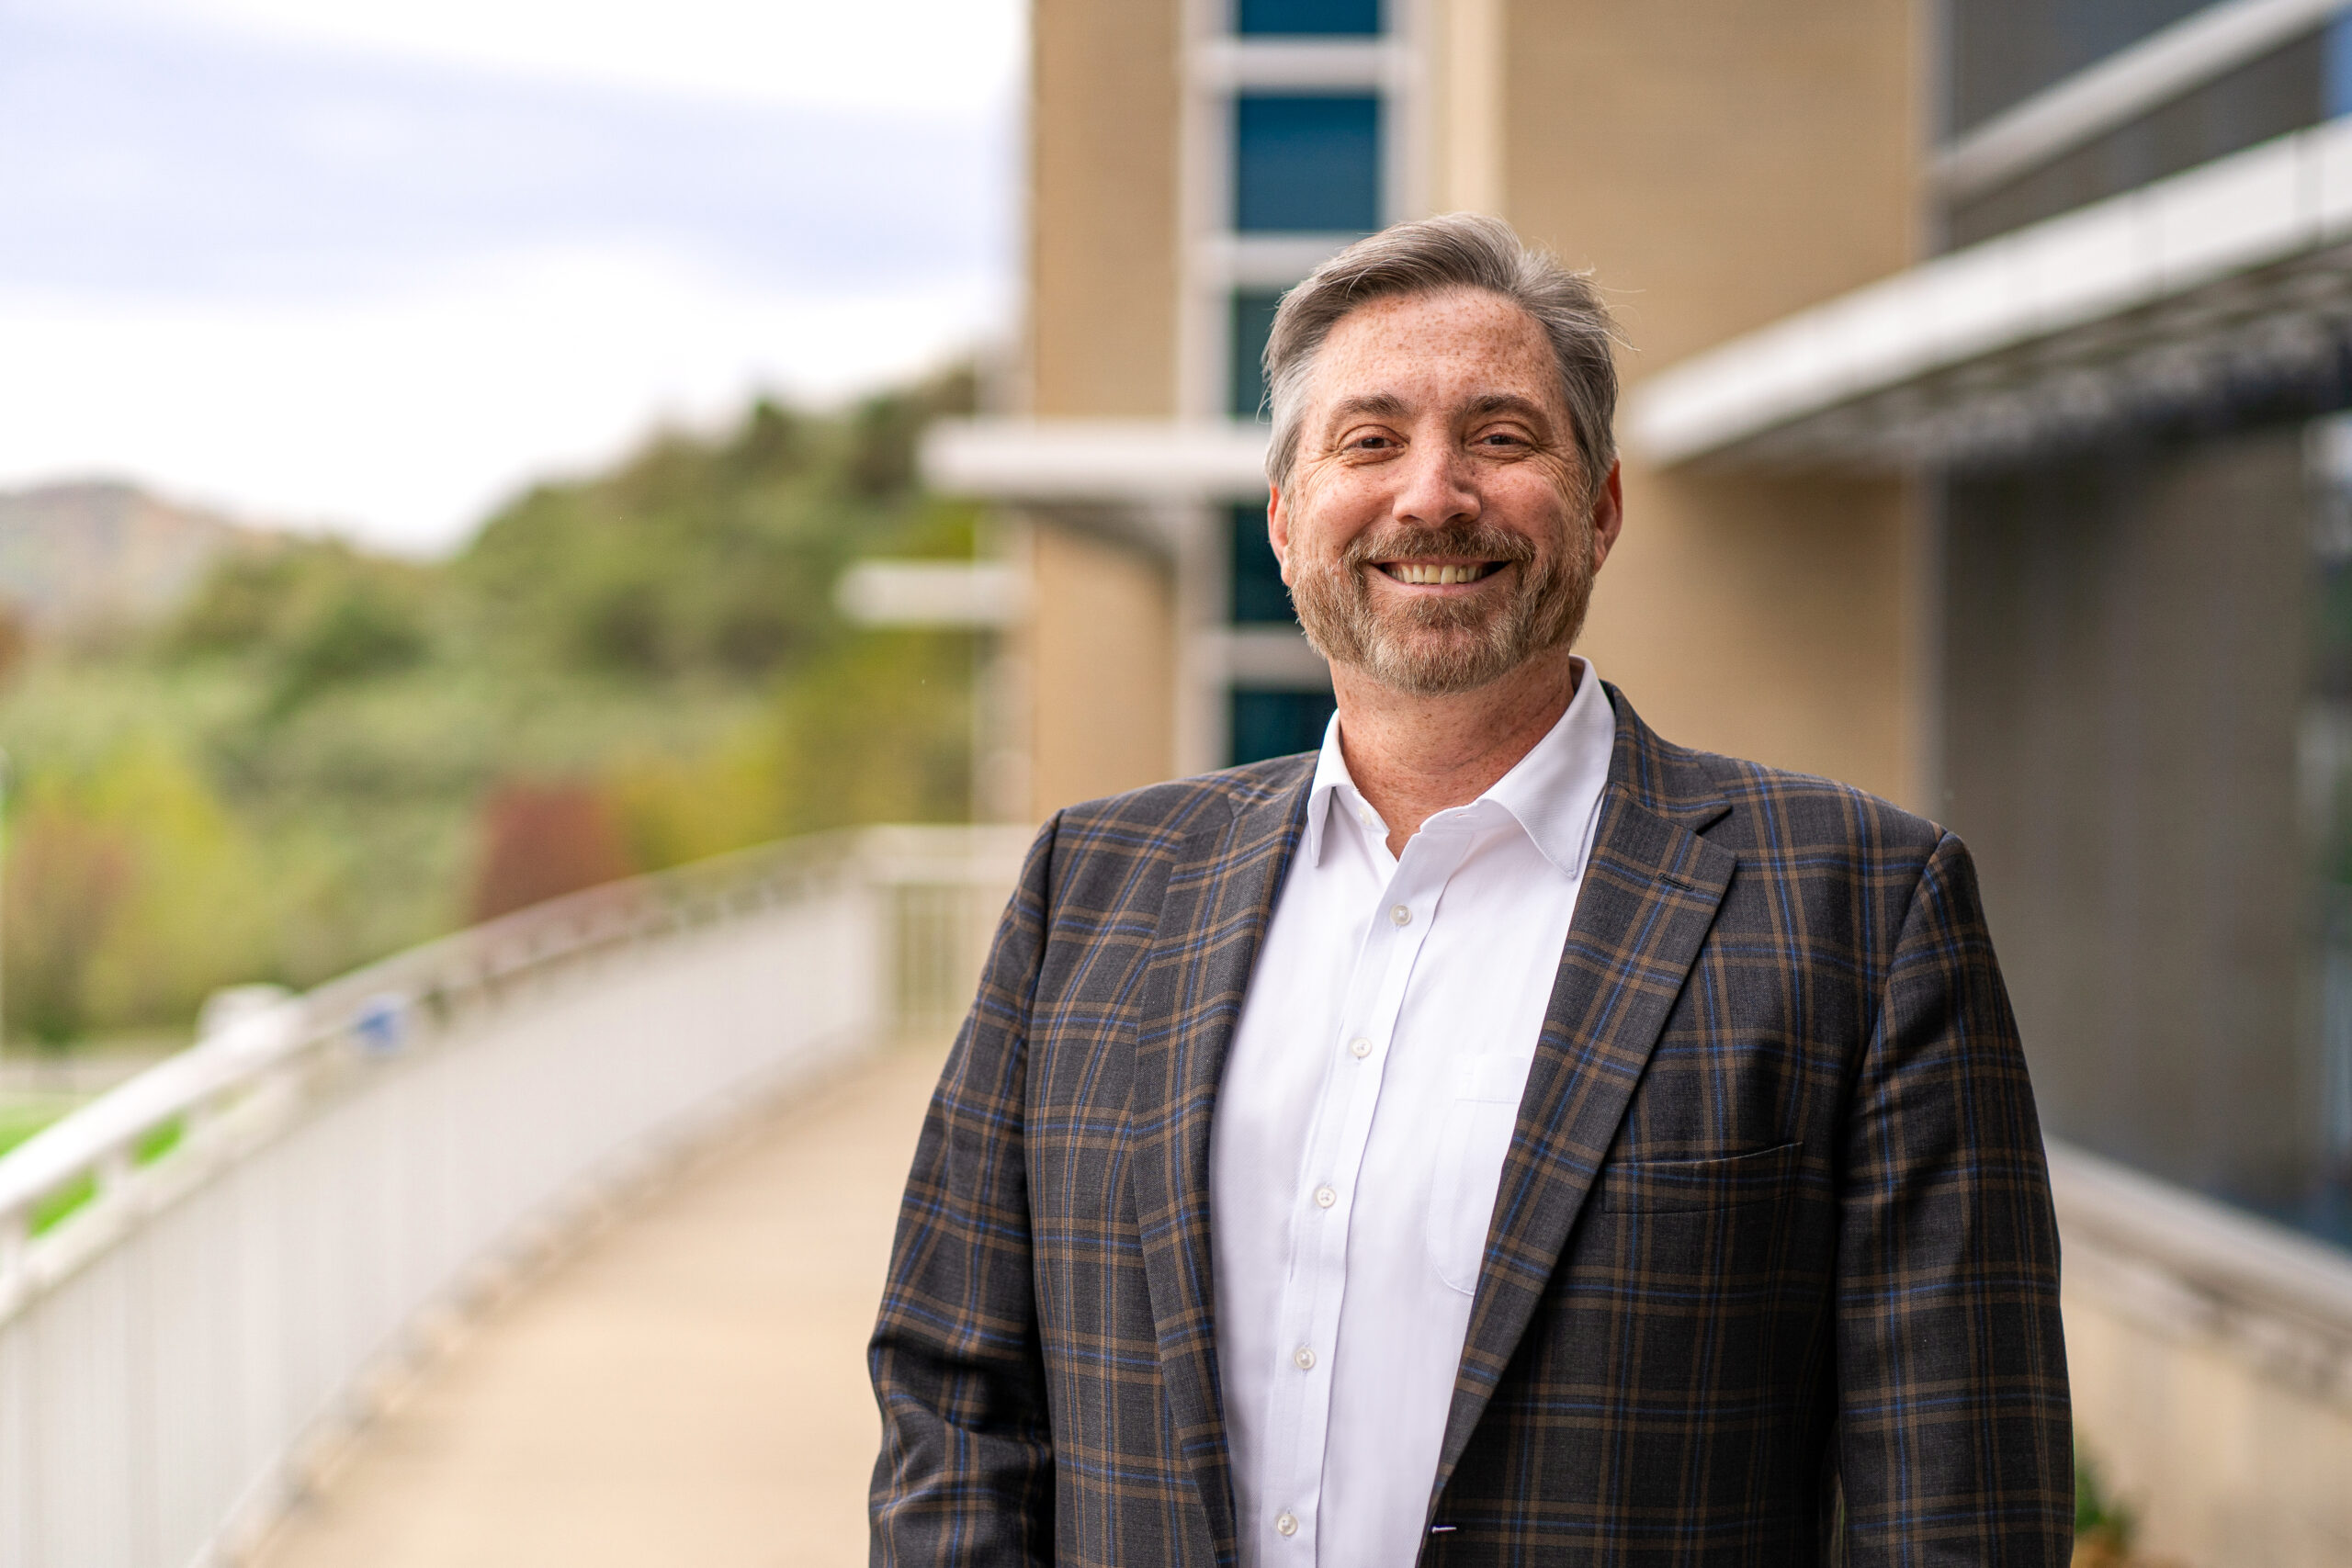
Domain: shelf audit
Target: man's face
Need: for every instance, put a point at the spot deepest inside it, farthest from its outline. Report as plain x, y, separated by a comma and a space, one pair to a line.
1437, 531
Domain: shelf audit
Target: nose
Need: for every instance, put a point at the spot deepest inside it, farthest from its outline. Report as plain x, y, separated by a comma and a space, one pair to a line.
1435, 487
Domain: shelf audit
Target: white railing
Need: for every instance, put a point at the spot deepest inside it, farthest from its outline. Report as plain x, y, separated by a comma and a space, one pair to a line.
202, 1273
2212, 1359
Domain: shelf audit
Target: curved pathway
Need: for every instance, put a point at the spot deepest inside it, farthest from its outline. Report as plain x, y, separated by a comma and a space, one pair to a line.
688, 1386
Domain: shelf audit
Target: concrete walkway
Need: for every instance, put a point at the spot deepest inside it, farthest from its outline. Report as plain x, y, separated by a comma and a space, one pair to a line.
688, 1387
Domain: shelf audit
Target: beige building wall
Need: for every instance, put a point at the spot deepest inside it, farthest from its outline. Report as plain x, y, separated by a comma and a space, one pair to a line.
1721, 163
1102, 208
1101, 344
1101, 653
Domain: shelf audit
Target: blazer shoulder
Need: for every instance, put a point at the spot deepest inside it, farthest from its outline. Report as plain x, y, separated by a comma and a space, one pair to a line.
1158, 816
1777, 805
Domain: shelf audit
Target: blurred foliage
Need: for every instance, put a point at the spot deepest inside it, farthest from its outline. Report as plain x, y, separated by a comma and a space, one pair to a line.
2104, 1526
543, 841
327, 755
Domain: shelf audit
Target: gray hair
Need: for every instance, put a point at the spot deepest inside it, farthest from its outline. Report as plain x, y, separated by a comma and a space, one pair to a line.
1459, 250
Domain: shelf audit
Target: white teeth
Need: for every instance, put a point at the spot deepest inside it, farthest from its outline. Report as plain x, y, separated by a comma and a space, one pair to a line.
1412, 571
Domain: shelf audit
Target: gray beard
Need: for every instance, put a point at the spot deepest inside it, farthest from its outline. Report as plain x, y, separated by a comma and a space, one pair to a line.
1439, 648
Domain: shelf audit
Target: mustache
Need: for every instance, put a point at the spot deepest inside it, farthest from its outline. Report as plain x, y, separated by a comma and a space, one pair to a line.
1479, 541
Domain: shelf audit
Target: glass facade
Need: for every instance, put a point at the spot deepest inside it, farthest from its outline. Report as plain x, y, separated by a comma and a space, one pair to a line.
1307, 163
1252, 318
2147, 706
2324, 794
2148, 746
2000, 53
1259, 596
1321, 18
1276, 724
2285, 90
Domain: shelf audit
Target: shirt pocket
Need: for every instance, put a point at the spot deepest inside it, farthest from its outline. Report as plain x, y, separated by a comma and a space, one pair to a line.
1473, 1140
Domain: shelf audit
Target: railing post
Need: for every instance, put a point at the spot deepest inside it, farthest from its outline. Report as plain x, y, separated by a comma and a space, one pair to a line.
114, 1172
16, 1240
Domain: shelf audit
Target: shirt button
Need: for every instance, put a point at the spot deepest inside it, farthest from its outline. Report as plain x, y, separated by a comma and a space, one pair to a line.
1358, 1048
1304, 1357
1325, 1197
1286, 1524
1401, 914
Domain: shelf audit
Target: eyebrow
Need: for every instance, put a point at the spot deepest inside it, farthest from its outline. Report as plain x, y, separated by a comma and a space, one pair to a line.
1510, 402
1379, 405
1388, 405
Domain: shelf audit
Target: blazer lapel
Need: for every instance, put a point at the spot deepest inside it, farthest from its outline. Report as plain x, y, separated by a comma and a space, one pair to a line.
1220, 895
1650, 892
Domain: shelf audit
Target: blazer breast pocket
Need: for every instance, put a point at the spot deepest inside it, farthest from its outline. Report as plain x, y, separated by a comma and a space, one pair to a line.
1686, 1186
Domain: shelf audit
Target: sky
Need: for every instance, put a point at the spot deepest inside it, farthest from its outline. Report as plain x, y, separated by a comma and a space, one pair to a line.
376, 264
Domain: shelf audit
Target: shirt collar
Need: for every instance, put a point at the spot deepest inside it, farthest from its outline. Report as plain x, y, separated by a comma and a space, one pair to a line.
1553, 792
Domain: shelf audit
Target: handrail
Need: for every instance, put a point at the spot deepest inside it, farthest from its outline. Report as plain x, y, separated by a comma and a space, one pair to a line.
243, 1237
375, 1006
2233, 1259
90, 1139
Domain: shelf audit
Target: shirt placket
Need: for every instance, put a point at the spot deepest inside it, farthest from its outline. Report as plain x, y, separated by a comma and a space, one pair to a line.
1315, 1285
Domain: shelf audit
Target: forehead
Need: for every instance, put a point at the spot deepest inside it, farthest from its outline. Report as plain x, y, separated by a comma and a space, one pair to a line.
1437, 348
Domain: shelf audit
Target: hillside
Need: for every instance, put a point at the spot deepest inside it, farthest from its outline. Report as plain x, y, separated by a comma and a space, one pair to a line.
319, 755
107, 552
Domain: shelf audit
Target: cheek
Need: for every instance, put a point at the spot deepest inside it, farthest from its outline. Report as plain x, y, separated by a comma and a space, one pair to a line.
1321, 529
1533, 503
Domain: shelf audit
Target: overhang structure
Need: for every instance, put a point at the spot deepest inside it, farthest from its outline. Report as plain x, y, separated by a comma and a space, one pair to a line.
2228, 284
1088, 462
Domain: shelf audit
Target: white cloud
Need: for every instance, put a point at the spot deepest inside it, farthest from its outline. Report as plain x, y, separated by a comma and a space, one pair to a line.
921, 55
402, 420
310, 263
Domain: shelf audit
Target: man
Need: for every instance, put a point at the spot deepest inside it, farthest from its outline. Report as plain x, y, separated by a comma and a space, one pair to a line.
1505, 1137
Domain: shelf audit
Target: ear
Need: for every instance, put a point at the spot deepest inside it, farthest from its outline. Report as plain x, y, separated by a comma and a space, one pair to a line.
1277, 527
1607, 514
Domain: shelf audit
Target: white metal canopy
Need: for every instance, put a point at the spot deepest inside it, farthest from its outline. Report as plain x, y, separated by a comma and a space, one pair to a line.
2234, 274
1098, 460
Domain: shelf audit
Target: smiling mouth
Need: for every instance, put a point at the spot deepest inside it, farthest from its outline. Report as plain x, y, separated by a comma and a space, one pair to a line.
1438, 573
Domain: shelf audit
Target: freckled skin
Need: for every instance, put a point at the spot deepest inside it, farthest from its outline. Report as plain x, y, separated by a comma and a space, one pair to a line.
1425, 411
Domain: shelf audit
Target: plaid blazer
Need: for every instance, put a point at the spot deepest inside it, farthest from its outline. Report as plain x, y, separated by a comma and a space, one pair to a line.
1772, 1278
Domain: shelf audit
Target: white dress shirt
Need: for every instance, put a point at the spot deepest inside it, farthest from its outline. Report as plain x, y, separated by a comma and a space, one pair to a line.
1366, 1107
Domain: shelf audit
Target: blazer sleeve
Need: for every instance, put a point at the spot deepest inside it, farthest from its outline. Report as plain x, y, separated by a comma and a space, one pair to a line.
1955, 1440
966, 1471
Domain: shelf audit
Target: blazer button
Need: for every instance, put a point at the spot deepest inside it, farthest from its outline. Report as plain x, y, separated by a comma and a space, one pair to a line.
1286, 1524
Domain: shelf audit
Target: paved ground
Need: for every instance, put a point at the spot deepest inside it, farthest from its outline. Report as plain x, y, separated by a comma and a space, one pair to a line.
688, 1387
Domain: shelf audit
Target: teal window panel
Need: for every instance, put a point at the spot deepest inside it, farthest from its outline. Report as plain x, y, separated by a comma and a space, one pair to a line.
1307, 163
1277, 723
1252, 318
1260, 598
1325, 18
